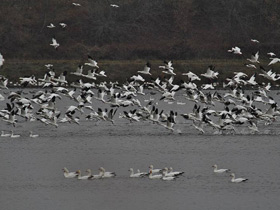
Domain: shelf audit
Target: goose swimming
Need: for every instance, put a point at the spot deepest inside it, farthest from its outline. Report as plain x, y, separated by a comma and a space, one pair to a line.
135, 175
106, 174
68, 174
237, 180
80, 177
156, 176
5, 134
219, 171
31, 135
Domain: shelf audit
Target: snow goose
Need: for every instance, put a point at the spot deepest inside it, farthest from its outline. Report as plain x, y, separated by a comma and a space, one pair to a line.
68, 174
235, 50
254, 58
63, 25
79, 71
255, 41
135, 175
273, 61
151, 168
106, 174
92, 62
168, 178
76, 4
31, 135
80, 177
1, 60
14, 135
146, 69
210, 74
3, 83
237, 180
156, 176
219, 171
192, 76
271, 54
54, 43
51, 25
114, 5
5, 134
176, 173
97, 176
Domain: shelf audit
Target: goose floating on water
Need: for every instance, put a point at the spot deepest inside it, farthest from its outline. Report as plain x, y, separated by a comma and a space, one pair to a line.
68, 174
237, 180
219, 171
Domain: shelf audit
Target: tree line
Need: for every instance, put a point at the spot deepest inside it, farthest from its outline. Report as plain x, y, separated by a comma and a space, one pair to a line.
138, 29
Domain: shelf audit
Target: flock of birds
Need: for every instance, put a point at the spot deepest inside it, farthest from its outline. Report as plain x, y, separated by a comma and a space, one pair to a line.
240, 109
249, 109
166, 174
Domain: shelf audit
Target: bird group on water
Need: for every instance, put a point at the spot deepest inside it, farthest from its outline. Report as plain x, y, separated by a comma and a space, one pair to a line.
166, 174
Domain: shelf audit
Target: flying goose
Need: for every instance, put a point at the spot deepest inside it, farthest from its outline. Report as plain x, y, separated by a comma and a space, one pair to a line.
92, 62
1, 60
54, 43
146, 69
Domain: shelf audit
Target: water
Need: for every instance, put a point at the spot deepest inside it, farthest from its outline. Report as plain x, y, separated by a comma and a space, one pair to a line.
31, 174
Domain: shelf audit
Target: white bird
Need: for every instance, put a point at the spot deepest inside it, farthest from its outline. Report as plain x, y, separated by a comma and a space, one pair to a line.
1, 60
63, 25
254, 40
135, 175
76, 4
68, 174
14, 135
273, 61
151, 168
146, 69
114, 5
31, 135
54, 43
235, 50
51, 25
271, 54
106, 174
80, 177
238, 180
5, 134
210, 74
156, 176
250, 66
219, 171
92, 62
192, 76
254, 58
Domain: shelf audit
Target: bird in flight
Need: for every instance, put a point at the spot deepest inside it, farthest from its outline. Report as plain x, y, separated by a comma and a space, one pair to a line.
54, 43
114, 5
